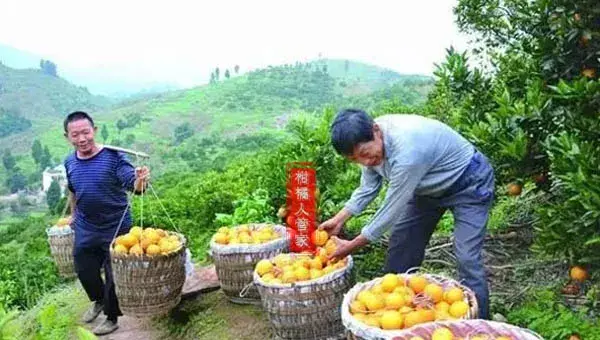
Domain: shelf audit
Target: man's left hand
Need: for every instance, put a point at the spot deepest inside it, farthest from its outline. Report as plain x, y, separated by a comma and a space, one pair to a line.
142, 177
345, 248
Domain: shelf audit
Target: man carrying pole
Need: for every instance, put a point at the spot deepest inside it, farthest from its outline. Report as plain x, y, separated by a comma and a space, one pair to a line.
98, 180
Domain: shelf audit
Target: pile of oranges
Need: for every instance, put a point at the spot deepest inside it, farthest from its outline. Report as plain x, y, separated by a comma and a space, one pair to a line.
397, 302
246, 234
290, 268
444, 333
148, 241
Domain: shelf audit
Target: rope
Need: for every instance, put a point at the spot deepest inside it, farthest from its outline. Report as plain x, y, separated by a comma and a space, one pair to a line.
163, 207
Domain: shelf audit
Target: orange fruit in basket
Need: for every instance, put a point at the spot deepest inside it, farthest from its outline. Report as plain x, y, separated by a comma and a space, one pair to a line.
174, 238
391, 319
120, 249
282, 260
442, 334
389, 282
136, 231
412, 318
372, 320
302, 274
129, 240
374, 302
220, 238
377, 289
153, 236
153, 249
434, 292
394, 301
288, 276
357, 307
161, 233
417, 283
263, 267
405, 309
315, 273
459, 309
144, 243
442, 306
136, 250
454, 294
427, 315
316, 263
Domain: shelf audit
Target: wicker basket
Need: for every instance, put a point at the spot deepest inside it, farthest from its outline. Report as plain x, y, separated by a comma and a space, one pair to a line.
235, 264
310, 309
469, 328
149, 285
357, 330
61, 248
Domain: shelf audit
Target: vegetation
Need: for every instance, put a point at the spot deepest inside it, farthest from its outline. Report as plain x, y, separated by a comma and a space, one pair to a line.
531, 106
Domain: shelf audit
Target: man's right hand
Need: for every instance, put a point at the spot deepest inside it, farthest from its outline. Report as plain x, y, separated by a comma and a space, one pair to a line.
334, 225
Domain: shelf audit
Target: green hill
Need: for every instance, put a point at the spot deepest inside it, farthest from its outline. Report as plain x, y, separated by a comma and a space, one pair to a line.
172, 124
256, 102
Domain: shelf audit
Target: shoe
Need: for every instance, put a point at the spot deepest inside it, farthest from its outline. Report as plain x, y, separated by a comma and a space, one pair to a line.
92, 313
106, 327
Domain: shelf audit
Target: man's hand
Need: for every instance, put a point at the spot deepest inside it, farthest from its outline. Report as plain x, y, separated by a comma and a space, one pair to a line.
334, 225
345, 248
142, 177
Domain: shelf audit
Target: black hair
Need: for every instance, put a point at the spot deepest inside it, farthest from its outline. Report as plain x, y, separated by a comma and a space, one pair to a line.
350, 128
77, 115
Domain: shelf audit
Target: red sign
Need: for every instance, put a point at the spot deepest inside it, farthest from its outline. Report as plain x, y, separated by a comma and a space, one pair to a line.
301, 205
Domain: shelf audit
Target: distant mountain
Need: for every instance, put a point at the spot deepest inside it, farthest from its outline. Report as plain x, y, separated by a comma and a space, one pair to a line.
97, 81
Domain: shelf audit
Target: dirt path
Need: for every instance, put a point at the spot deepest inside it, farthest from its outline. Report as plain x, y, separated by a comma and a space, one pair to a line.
204, 313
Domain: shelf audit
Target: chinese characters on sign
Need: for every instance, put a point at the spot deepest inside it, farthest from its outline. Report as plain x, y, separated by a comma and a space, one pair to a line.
301, 204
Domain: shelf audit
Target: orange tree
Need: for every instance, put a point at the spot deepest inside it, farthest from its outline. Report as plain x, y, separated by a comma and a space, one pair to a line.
533, 106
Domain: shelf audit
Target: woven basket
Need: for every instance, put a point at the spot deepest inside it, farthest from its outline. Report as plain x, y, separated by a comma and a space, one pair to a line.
235, 264
61, 248
357, 330
469, 328
149, 285
309, 309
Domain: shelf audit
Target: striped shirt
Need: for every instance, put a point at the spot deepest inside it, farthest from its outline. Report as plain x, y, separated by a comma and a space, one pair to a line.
423, 156
100, 185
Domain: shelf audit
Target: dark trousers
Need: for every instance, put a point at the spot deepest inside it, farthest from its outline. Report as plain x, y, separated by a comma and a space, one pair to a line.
88, 262
470, 200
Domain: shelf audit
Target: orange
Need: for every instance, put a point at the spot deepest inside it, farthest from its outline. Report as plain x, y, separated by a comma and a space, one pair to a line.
459, 309
434, 292
578, 274
417, 283
153, 249
454, 294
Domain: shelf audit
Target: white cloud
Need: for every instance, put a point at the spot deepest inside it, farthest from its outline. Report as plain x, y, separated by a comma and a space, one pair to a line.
182, 41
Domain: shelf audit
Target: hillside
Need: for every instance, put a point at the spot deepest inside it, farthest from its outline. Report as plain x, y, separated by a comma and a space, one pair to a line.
261, 101
30, 95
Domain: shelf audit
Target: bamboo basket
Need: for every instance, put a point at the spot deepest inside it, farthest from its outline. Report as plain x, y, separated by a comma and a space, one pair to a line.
308, 309
467, 329
149, 285
61, 247
356, 330
235, 264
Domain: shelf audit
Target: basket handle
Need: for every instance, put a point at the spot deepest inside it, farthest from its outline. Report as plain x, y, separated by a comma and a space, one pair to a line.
246, 289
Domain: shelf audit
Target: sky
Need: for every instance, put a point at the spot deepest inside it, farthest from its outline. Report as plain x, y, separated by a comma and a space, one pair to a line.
181, 42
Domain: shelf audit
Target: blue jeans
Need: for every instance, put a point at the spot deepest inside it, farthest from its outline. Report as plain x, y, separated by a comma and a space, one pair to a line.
470, 199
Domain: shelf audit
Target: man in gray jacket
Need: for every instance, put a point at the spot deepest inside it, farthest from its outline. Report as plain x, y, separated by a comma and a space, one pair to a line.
429, 168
